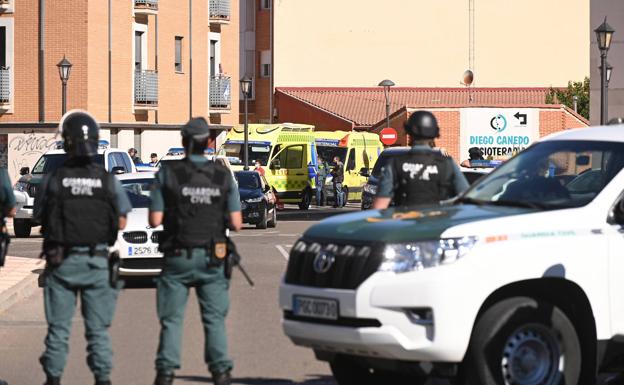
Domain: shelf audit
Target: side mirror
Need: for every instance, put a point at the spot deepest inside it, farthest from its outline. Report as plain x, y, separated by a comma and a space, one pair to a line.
364, 172
275, 164
24, 171
618, 213
267, 188
118, 170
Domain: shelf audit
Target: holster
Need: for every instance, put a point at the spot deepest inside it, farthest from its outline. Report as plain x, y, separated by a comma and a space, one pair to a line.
113, 269
54, 253
232, 259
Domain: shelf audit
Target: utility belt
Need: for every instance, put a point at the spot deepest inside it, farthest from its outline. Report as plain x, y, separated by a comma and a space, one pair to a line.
55, 253
216, 249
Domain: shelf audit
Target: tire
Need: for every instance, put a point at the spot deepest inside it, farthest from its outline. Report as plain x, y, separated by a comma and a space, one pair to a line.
263, 221
273, 222
22, 228
524, 341
348, 372
306, 199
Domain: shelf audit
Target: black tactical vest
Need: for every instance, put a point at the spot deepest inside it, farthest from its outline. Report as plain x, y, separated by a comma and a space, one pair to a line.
421, 177
195, 204
82, 209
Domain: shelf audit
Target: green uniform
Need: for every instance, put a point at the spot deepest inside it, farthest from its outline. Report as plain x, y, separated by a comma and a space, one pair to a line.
180, 273
85, 276
7, 198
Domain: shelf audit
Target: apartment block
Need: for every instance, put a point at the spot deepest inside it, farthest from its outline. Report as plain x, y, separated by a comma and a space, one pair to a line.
141, 67
358, 43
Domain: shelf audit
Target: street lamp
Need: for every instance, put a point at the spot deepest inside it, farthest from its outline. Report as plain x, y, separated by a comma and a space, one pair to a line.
609, 70
604, 34
245, 84
64, 67
386, 84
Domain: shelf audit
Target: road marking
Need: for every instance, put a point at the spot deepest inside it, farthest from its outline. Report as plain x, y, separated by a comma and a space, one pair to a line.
282, 251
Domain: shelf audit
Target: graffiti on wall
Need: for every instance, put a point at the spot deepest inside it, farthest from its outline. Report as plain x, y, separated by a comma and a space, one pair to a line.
24, 149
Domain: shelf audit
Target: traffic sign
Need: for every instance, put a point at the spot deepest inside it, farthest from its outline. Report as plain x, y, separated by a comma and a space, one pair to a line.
388, 136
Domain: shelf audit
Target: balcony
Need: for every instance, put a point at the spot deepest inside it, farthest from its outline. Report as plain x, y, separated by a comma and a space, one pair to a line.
219, 11
220, 92
146, 89
5, 86
145, 6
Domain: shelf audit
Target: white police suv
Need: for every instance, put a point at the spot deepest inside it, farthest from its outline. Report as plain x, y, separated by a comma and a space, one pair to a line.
114, 160
519, 281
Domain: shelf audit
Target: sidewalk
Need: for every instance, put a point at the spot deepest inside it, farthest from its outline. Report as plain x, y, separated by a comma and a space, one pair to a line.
18, 279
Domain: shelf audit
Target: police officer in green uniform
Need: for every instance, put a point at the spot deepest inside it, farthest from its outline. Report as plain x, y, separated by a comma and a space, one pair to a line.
81, 207
195, 200
423, 175
7, 209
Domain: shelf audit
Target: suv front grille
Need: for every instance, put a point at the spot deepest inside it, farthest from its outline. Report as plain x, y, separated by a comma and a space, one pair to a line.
352, 264
156, 235
135, 236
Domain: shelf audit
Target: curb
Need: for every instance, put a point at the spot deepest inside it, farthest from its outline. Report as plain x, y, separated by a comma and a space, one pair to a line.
23, 288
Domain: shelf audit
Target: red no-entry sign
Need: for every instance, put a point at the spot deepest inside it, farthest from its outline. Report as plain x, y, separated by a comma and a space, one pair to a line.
388, 136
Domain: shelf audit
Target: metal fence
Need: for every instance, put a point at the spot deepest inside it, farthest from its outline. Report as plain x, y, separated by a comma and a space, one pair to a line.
146, 4
5, 85
146, 87
220, 92
219, 9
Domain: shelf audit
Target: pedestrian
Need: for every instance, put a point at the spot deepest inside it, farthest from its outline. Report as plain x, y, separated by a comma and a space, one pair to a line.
423, 175
474, 153
81, 208
258, 168
321, 177
134, 155
153, 159
7, 210
195, 200
337, 174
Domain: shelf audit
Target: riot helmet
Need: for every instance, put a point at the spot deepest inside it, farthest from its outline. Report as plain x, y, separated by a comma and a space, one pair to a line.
422, 125
195, 134
80, 133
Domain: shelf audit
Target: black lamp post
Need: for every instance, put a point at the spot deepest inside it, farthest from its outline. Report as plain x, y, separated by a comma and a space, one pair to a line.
64, 67
608, 77
386, 84
604, 34
245, 84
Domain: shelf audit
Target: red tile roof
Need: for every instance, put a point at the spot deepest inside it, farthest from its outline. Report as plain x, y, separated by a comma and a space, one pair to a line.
366, 106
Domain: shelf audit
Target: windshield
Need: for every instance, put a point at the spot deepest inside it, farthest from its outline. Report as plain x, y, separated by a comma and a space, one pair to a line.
250, 181
50, 162
256, 152
138, 191
328, 153
553, 174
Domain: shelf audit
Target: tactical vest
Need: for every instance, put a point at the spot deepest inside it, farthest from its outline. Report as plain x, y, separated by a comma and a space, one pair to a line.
195, 204
421, 177
82, 209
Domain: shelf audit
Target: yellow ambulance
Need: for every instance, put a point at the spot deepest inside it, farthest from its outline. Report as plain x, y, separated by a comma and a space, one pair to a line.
285, 152
358, 151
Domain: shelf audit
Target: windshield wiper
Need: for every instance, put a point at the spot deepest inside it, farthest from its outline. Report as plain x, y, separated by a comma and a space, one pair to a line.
527, 204
470, 201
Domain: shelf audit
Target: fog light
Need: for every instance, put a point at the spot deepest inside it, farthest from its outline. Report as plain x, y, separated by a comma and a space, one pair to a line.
421, 316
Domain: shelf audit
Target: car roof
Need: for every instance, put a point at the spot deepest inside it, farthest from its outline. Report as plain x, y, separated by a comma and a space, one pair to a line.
100, 151
136, 175
395, 150
612, 133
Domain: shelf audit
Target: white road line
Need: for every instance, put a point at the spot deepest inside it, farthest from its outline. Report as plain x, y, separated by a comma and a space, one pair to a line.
282, 251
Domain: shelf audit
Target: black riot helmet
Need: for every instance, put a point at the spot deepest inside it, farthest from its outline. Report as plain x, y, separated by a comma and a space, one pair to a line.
80, 133
422, 125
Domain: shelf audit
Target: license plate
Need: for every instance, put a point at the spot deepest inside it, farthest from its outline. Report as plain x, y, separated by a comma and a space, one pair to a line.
142, 250
315, 307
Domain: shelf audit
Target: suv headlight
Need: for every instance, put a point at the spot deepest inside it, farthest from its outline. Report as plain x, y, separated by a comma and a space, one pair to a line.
254, 200
406, 257
20, 186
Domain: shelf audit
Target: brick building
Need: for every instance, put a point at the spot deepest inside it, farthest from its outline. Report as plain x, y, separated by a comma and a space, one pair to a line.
142, 67
463, 114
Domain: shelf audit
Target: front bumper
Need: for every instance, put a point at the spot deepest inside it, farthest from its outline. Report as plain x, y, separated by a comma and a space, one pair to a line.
404, 333
252, 212
24, 205
139, 259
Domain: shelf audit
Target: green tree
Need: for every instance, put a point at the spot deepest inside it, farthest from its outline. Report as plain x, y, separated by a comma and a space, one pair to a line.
566, 95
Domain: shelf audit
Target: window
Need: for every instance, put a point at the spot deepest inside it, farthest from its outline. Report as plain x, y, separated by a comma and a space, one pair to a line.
213, 58
3, 48
265, 4
265, 64
214, 51
351, 162
6, 62
138, 50
178, 53
292, 157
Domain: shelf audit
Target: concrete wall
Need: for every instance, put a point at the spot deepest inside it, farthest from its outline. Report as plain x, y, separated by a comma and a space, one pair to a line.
418, 43
614, 10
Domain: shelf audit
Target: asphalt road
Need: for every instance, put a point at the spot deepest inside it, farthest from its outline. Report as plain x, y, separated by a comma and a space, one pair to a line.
262, 354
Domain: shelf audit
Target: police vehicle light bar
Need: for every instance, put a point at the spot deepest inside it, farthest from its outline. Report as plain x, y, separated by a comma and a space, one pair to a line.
175, 151
103, 144
485, 163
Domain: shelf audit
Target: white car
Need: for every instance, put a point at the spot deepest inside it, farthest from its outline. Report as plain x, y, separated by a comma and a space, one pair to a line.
138, 242
114, 160
518, 281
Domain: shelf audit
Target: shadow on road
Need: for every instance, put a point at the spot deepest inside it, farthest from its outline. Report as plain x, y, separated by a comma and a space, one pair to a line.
311, 380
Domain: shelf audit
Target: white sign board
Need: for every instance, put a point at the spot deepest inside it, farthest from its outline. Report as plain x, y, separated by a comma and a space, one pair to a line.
499, 132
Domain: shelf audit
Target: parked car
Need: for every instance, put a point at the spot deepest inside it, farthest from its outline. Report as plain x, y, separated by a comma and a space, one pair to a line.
138, 242
370, 188
479, 168
114, 160
257, 199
